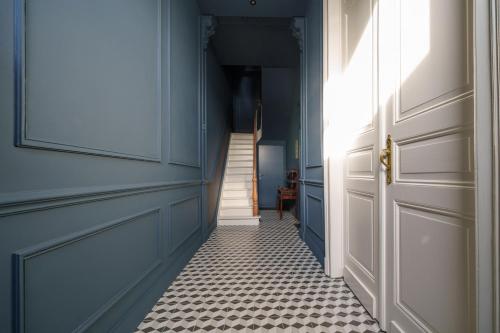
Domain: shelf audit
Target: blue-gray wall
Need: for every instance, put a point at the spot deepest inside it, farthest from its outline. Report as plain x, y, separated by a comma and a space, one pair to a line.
246, 92
312, 205
281, 108
255, 41
219, 108
100, 172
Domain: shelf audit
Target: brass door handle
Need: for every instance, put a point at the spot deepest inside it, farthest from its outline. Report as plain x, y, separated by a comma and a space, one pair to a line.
385, 154
386, 160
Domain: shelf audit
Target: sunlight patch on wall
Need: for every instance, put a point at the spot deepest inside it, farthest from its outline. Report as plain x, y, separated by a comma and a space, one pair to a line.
351, 96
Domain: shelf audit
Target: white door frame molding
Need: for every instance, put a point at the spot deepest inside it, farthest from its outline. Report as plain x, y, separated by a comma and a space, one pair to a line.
487, 156
333, 166
486, 141
493, 129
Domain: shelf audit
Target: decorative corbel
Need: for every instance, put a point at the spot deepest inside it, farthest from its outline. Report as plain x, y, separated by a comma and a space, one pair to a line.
208, 25
298, 30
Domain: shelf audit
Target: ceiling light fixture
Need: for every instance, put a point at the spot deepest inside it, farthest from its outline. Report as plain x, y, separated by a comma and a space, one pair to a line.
253, 2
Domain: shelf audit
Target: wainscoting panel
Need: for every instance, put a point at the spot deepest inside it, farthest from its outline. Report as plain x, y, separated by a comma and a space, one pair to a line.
67, 71
83, 267
184, 220
313, 231
107, 260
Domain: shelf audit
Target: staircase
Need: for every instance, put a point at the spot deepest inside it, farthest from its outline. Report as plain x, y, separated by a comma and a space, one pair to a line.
235, 207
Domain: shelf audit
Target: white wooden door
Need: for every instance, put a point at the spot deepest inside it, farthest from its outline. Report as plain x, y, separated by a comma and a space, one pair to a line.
427, 102
407, 71
360, 123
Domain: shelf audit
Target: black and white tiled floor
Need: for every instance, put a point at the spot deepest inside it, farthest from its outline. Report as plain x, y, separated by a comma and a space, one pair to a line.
257, 279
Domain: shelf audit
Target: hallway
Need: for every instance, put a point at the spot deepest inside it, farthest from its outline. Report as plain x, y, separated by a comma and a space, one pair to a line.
262, 279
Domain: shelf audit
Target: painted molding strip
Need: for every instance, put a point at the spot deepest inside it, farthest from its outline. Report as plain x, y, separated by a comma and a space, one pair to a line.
311, 182
24, 202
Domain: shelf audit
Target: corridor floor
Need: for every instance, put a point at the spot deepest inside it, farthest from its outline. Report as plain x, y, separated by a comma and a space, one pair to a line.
257, 279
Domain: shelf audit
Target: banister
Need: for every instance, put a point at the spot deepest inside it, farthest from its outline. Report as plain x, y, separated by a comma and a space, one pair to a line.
255, 195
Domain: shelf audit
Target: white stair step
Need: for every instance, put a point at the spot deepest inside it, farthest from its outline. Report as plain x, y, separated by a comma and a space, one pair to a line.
238, 186
241, 135
240, 164
244, 152
235, 212
241, 142
237, 178
236, 203
241, 158
240, 194
253, 220
239, 171
240, 146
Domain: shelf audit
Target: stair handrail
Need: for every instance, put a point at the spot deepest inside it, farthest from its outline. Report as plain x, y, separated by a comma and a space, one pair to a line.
256, 132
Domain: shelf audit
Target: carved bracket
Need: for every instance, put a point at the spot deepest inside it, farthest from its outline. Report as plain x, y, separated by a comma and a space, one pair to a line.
208, 25
298, 28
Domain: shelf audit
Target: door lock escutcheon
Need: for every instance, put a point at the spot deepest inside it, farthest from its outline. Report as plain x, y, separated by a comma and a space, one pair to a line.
386, 159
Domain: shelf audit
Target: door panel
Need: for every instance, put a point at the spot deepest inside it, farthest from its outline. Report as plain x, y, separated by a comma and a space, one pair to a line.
440, 45
360, 208
271, 174
429, 207
360, 177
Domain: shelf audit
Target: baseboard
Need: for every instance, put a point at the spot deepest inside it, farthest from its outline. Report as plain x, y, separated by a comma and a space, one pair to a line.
145, 302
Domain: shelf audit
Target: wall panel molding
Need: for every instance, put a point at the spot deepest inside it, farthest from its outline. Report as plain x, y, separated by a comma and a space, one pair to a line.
22, 258
25, 202
175, 244
177, 152
311, 182
320, 234
25, 125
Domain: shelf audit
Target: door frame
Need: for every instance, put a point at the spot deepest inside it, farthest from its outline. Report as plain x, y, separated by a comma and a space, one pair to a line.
487, 160
486, 60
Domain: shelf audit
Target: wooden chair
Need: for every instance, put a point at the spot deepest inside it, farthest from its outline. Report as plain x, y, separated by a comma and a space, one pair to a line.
289, 192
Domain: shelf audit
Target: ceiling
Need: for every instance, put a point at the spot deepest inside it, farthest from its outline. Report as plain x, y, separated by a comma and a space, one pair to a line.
247, 41
263, 8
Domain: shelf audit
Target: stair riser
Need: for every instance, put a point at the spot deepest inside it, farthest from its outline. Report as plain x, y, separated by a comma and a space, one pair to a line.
237, 178
241, 135
241, 143
254, 222
239, 171
236, 203
240, 146
237, 194
236, 212
238, 186
243, 152
240, 164
245, 158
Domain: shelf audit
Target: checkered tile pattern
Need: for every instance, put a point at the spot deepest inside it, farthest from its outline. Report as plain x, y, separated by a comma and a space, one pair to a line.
257, 279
